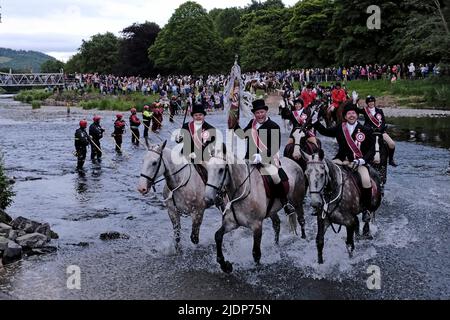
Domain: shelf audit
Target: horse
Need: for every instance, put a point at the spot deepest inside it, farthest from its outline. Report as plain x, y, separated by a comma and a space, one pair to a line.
183, 192
255, 84
248, 203
335, 195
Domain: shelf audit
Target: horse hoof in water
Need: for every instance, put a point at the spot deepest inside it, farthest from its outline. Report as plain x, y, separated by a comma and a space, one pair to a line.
226, 267
320, 260
366, 236
350, 249
194, 239
303, 235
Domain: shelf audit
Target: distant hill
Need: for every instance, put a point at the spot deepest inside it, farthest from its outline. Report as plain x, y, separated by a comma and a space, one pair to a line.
21, 60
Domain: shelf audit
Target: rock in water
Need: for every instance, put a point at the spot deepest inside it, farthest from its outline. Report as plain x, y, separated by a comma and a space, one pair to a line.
5, 230
32, 240
112, 235
13, 252
4, 217
30, 226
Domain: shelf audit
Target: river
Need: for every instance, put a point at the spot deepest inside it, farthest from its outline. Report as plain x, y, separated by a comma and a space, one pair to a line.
410, 246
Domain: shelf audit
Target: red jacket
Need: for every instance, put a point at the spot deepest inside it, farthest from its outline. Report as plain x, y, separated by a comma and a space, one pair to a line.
338, 96
308, 97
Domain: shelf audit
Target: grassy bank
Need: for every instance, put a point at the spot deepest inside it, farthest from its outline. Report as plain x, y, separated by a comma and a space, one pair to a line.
28, 96
121, 103
431, 93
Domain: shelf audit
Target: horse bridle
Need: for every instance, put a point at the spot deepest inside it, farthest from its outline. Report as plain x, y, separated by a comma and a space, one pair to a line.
220, 188
325, 182
160, 160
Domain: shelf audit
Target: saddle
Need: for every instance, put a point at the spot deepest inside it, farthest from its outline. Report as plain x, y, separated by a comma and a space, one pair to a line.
202, 172
375, 180
274, 191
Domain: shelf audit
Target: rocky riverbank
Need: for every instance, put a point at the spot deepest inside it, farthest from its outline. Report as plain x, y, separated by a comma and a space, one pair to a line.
22, 236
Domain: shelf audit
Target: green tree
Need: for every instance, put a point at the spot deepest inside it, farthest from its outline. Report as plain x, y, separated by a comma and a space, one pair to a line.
74, 64
6, 192
100, 54
263, 46
52, 66
256, 5
225, 20
133, 55
423, 37
310, 44
357, 43
188, 44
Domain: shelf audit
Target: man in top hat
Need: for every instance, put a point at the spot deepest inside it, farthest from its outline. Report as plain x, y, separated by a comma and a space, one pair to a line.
263, 145
356, 148
197, 135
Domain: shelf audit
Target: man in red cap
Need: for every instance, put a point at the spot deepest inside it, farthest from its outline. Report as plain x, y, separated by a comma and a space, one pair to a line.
134, 126
119, 130
96, 133
82, 140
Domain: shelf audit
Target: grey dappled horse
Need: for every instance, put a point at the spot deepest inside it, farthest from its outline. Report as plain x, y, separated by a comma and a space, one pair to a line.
335, 195
183, 192
247, 201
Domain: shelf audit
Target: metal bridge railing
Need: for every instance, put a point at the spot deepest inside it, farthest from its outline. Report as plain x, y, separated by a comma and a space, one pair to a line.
31, 79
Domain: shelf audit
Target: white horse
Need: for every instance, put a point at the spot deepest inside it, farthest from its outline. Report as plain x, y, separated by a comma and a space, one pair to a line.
183, 192
248, 204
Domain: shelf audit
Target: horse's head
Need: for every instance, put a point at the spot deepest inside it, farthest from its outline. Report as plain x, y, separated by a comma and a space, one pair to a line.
317, 175
218, 176
152, 168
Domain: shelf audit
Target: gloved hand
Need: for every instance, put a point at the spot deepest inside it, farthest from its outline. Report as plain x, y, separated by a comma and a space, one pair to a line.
358, 162
354, 97
178, 138
257, 158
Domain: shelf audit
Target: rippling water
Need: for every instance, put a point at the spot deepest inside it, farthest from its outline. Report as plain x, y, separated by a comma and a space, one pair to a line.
410, 246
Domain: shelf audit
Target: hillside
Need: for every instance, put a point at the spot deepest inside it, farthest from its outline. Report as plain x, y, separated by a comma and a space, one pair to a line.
21, 60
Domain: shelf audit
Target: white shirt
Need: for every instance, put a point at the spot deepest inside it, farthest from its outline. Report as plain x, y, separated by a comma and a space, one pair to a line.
351, 127
372, 111
198, 125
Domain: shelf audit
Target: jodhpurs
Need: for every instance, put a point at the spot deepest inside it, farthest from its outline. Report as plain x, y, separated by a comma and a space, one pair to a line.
362, 171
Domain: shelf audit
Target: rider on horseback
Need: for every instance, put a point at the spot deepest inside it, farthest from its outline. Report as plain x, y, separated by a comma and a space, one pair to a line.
197, 135
374, 119
299, 116
338, 96
263, 143
356, 149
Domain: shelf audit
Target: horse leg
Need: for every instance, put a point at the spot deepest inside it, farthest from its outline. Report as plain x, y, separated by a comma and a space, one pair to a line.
350, 241
276, 226
320, 237
357, 233
226, 266
366, 231
175, 218
301, 219
197, 219
257, 236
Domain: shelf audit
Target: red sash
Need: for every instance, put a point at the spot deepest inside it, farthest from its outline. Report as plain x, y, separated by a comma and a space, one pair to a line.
300, 116
194, 135
259, 144
374, 120
357, 154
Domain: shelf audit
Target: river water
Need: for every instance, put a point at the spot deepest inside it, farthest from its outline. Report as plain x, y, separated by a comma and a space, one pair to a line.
410, 246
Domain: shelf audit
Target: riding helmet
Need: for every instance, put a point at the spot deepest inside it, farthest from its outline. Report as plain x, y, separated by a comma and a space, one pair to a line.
370, 99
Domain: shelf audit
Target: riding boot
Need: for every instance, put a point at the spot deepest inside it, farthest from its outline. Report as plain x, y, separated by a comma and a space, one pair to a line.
391, 157
366, 194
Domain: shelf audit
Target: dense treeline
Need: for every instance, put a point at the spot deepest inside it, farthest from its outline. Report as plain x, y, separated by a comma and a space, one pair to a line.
269, 36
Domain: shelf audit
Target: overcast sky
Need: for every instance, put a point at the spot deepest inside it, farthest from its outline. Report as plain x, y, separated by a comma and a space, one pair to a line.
57, 27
